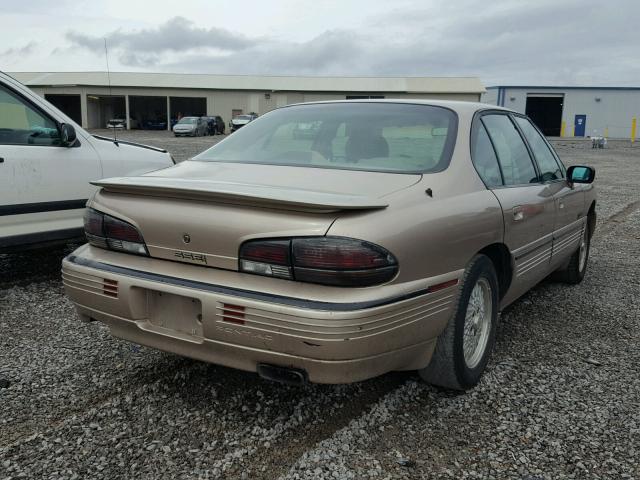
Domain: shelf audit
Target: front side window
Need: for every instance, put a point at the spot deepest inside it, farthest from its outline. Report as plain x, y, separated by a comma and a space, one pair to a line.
384, 137
21, 124
549, 168
515, 162
484, 157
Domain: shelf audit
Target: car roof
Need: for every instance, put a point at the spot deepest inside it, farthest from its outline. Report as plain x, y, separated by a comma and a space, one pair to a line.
458, 106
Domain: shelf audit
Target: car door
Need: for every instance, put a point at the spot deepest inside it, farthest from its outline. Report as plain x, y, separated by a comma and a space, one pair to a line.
528, 204
43, 185
570, 203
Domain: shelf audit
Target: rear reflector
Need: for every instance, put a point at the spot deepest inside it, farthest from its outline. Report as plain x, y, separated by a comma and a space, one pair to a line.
443, 285
110, 287
233, 313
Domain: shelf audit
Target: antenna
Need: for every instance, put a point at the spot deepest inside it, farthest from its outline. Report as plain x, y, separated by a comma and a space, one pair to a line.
106, 56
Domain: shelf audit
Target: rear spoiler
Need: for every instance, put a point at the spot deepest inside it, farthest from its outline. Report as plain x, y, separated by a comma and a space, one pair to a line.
240, 193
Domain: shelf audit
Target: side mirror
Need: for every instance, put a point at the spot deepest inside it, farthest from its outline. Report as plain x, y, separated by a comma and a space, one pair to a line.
580, 174
67, 135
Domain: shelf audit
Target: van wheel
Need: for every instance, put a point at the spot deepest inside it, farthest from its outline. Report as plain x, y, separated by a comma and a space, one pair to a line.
464, 347
577, 268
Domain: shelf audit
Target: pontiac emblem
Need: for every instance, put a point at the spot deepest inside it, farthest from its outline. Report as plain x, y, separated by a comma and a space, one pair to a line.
186, 238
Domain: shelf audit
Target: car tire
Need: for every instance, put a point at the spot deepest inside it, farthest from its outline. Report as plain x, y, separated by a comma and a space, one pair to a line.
470, 329
577, 268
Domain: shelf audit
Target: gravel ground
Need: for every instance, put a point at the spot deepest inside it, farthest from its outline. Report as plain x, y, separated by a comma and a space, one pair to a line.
560, 399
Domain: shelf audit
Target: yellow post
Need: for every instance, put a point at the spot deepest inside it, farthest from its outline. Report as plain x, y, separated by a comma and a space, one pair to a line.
606, 132
573, 131
563, 129
633, 129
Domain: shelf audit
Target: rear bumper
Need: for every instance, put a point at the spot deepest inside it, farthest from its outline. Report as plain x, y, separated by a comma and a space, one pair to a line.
331, 342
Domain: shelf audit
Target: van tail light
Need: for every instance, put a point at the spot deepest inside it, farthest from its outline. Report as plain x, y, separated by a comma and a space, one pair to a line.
337, 261
108, 232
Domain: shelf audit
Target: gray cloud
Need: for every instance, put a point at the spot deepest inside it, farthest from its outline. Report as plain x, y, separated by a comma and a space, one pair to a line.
544, 42
19, 51
143, 47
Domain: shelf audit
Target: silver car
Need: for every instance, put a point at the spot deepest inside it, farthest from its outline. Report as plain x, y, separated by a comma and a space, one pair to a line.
191, 126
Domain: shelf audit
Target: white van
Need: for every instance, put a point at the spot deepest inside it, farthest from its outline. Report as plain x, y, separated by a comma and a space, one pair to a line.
46, 164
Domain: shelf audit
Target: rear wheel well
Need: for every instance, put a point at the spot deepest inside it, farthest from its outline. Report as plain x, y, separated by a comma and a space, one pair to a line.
500, 256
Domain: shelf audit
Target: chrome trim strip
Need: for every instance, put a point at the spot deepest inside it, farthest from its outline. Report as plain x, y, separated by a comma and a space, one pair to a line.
567, 229
525, 250
530, 267
355, 330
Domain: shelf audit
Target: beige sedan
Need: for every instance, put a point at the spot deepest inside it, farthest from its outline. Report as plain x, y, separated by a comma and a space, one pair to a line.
387, 239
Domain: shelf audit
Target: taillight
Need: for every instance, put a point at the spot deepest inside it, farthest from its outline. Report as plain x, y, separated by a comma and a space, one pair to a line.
339, 253
271, 258
115, 229
338, 261
105, 231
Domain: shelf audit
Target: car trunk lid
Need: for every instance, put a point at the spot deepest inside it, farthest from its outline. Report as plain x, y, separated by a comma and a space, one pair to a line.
200, 212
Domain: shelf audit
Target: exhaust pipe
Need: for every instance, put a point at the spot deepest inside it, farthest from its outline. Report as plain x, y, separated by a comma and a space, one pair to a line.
289, 376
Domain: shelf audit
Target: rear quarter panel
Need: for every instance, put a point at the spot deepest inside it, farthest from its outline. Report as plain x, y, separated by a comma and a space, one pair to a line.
429, 236
434, 234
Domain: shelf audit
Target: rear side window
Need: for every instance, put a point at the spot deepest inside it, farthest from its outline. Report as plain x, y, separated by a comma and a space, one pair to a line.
484, 157
515, 162
21, 124
549, 168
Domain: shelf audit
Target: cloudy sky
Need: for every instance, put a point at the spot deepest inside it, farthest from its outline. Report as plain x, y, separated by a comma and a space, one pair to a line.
581, 42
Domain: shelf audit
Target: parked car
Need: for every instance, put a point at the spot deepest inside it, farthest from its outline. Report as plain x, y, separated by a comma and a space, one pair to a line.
390, 242
46, 164
121, 123
215, 125
154, 125
191, 126
118, 123
241, 120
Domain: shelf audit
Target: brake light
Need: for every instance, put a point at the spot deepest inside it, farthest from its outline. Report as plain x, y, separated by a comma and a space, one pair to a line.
273, 252
341, 253
335, 261
108, 232
118, 230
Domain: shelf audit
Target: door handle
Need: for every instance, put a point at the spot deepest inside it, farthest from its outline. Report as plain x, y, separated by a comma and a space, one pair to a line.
518, 214
1, 160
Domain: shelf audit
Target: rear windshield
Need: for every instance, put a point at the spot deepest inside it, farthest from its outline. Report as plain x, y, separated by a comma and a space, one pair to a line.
386, 137
188, 120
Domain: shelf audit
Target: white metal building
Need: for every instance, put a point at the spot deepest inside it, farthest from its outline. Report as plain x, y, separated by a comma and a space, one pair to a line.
148, 100
573, 111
